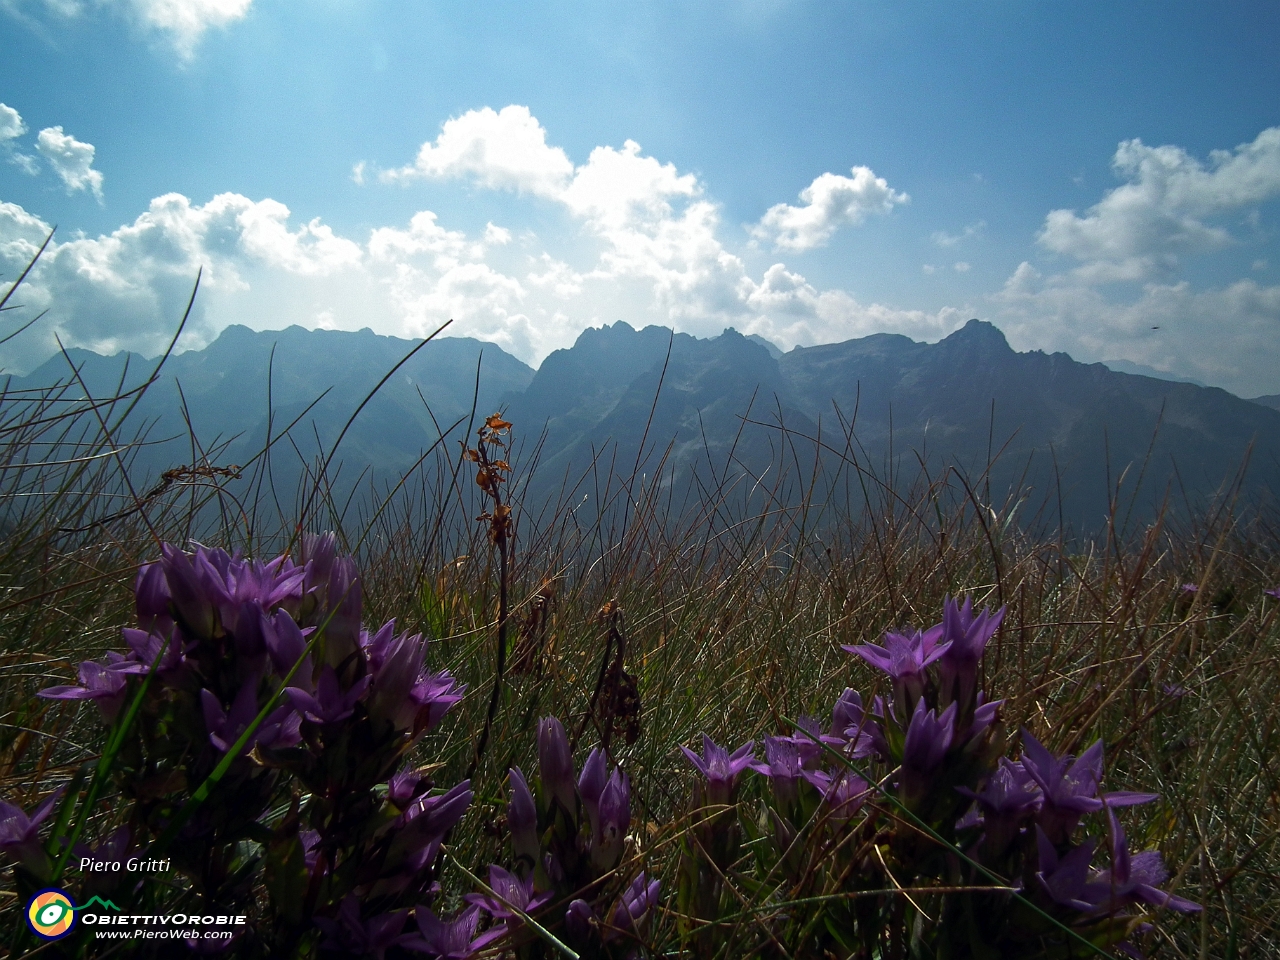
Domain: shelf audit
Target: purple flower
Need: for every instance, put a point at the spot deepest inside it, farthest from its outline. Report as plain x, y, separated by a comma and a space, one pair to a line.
591, 784
405, 787
450, 940
1070, 787
860, 734
555, 765
19, 834
1273, 593
144, 647
151, 598
196, 588
904, 657
317, 556
393, 679
350, 935
1133, 878
511, 896
1007, 799
104, 684
522, 820
809, 739
609, 828
278, 729
782, 766
720, 768
433, 696
1066, 879
843, 794
634, 908
423, 826
966, 638
580, 919
286, 643
341, 617
329, 704
1190, 588
928, 737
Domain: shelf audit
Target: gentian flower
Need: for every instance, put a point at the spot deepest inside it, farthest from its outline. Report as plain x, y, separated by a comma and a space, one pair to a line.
450, 940
1070, 787
510, 894
405, 787
522, 820
614, 818
966, 638
783, 767
928, 739
354, 937
555, 765
591, 784
580, 920
904, 657
860, 733
1273, 593
278, 729
104, 684
809, 739
434, 695
720, 769
341, 618
634, 908
423, 826
394, 678
1190, 588
1065, 879
842, 793
329, 704
19, 834
196, 589
144, 647
1008, 798
1133, 878
151, 598
286, 642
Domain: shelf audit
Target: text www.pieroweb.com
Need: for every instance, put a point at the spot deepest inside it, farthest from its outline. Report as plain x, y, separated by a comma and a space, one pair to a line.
141, 933
156, 927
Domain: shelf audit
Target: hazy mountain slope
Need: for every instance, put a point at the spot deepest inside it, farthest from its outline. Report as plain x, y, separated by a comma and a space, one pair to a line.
1066, 431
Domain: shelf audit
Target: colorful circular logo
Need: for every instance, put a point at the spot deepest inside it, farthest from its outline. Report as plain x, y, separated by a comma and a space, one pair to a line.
51, 914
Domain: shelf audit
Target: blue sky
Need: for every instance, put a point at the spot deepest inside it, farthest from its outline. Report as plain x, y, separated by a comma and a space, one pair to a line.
1077, 173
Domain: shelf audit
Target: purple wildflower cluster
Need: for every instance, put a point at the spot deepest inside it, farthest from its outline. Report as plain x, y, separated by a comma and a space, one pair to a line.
269, 662
568, 841
882, 800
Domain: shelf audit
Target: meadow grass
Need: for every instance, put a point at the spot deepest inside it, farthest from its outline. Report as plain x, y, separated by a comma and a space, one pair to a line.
732, 613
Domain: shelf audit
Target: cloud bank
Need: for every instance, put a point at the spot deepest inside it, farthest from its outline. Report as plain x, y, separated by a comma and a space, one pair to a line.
630, 237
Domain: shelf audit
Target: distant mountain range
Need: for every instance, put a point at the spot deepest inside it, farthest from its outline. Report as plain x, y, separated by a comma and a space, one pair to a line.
729, 413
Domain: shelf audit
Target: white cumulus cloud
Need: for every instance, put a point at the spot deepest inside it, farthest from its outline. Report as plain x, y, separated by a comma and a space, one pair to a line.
12, 127
505, 149
1166, 209
11, 124
71, 160
830, 202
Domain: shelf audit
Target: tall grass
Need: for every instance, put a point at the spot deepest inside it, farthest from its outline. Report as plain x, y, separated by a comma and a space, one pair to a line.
732, 620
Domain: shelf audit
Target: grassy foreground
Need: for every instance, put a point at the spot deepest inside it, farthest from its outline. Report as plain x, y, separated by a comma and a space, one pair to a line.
732, 623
